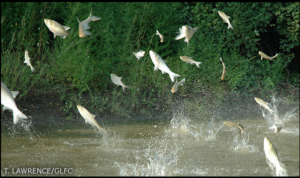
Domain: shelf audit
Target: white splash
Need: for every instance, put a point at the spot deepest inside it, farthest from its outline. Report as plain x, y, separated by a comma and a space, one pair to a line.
241, 143
275, 121
158, 163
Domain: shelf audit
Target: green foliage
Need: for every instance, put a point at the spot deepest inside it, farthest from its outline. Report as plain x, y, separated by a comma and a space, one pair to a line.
85, 64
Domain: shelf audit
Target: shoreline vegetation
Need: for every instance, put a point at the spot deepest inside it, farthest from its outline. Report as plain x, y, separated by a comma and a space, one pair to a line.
76, 70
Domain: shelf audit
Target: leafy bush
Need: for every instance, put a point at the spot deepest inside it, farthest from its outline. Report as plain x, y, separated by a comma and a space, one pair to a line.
85, 64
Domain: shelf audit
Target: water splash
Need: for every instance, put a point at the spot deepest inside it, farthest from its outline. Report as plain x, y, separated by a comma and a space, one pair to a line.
241, 143
179, 124
157, 163
274, 121
277, 171
212, 131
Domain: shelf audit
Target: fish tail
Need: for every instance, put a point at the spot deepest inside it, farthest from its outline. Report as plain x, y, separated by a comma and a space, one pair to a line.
230, 26
18, 115
173, 75
124, 87
94, 18
196, 28
197, 64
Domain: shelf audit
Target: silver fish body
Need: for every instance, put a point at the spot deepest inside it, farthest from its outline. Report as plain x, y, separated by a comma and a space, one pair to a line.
27, 60
84, 25
7, 99
263, 55
189, 60
175, 86
161, 65
56, 28
233, 124
117, 80
139, 54
225, 18
186, 32
263, 104
89, 118
224, 70
160, 36
272, 155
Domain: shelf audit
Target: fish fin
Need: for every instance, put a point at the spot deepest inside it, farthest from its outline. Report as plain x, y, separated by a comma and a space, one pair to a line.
261, 58
66, 28
6, 108
181, 35
183, 80
230, 26
93, 115
173, 75
14, 93
78, 19
94, 18
195, 29
197, 64
54, 35
87, 33
228, 16
32, 69
18, 115
124, 87
155, 68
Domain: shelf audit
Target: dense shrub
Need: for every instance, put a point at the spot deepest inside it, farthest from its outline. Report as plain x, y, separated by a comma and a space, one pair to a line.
126, 27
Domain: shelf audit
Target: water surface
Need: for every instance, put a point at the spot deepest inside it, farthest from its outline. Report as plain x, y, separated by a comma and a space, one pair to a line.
180, 146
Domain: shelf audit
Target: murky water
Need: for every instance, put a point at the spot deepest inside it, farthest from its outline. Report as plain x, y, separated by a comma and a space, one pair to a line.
180, 146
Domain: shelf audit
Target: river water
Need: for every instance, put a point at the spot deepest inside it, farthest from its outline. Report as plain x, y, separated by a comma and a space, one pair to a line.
179, 146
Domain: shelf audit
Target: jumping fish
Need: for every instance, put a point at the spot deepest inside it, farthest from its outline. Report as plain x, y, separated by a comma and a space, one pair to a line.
139, 54
271, 155
161, 65
263, 104
117, 80
175, 86
225, 18
89, 118
224, 70
27, 60
84, 25
189, 60
160, 36
233, 124
276, 128
8, 102
2, 19
263, 55
186, 32
56, 28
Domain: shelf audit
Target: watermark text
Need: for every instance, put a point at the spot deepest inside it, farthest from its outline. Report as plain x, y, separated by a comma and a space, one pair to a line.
37, 171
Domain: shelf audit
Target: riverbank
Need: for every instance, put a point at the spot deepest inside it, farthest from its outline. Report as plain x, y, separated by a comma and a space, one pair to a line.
56, 108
